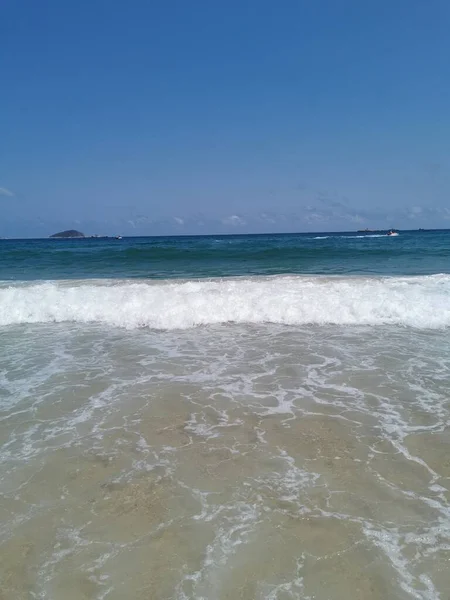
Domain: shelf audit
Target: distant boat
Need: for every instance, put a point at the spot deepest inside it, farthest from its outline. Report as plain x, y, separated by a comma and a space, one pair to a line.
118, 237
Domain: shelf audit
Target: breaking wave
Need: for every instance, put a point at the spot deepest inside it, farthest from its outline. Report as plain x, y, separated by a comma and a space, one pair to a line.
420, 302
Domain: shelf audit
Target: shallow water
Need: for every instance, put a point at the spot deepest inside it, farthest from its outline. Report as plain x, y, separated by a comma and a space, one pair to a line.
230, 460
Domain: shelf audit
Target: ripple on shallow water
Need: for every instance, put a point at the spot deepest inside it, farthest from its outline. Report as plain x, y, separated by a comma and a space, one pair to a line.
255, 462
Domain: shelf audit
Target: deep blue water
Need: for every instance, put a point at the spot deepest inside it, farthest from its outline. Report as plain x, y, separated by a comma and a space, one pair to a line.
410, 253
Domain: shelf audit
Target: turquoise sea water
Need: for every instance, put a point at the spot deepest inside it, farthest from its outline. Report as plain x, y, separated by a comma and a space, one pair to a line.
209, 418
410, 253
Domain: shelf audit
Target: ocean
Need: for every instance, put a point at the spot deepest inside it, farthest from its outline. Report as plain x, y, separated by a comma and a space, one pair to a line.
259, 417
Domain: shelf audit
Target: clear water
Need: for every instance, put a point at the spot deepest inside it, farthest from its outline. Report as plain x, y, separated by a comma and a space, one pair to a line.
254, 417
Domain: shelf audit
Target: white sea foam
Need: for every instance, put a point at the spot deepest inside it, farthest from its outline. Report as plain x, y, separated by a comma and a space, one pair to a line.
355, 237
372, 235
211, 451
421, 302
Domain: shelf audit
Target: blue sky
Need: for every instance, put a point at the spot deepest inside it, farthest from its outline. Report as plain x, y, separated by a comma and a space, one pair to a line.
159, 117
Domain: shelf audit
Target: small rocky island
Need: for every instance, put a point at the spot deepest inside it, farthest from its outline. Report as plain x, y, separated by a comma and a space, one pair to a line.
70, 233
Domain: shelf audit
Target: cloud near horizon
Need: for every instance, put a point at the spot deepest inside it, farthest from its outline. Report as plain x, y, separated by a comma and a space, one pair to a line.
233, 220
318, 216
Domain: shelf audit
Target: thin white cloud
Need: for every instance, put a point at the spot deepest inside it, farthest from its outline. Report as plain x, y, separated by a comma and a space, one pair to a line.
267, 218
179, 220
315, 216
356, 219
6, 192
415, 211
233, 220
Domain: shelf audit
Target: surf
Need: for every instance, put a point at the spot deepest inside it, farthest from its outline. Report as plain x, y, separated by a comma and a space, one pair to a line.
420, 302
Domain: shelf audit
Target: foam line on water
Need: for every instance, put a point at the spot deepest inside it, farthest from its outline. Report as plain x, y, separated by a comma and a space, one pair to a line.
420, 302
